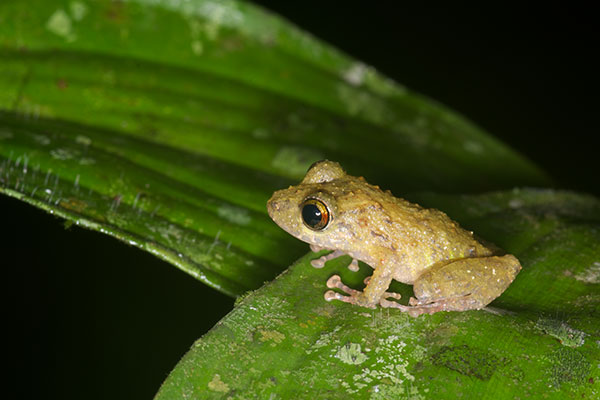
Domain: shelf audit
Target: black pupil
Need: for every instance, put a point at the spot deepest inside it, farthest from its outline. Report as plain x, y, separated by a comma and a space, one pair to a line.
311, 215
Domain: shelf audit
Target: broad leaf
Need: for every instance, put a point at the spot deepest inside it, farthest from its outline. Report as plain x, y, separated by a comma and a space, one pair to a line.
168, 124
541, 338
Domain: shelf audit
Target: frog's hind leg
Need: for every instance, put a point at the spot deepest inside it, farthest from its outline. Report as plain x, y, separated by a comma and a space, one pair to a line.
465, 284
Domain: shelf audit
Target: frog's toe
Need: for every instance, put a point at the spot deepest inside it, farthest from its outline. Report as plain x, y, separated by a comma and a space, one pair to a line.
416, 311
357, 300
385, 303
462, 303
335, 282
316, 248
353, 266
320, 262
416, 302
393, 295
351, 296
331, 295
415, 308
413, 311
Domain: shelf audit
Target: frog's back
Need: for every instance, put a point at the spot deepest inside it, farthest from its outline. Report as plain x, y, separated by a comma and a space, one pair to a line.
433, 236
419, 235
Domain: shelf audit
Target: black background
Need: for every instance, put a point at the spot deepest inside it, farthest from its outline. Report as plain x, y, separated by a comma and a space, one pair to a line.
526, 74
89, 317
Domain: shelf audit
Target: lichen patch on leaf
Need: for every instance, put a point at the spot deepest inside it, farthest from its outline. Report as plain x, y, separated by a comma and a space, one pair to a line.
351, 354
64, 153
233, 214
274, 337
60, 24
590, 274
295, 160
385, 372
324, 339
218, 385
355, 74
78, 10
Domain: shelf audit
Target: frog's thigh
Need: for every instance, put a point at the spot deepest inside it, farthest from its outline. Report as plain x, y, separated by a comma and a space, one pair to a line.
469, 282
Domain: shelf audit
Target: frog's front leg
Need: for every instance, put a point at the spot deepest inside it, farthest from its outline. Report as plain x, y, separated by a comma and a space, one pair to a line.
373, 294
465, 284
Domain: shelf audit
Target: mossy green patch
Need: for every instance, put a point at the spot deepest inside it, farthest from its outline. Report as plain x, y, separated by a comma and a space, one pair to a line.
568, 366
469, 361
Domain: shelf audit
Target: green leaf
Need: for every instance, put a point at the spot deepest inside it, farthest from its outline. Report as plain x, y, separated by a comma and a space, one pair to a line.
541, 337
169, 124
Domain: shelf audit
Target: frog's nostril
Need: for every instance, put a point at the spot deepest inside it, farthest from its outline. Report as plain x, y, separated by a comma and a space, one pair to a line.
272, 206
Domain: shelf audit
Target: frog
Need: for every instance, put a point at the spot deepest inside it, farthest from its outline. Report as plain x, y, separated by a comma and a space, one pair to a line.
449, 267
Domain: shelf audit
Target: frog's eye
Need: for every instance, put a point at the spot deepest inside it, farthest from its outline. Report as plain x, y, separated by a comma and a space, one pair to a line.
315, 214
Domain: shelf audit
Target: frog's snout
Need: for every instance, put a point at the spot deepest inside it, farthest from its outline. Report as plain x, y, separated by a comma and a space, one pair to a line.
284, 211
273, 206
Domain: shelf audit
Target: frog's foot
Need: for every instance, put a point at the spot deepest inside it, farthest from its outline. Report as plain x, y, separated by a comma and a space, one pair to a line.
352, 296
445, 288
414, 311
418, 307
320, 262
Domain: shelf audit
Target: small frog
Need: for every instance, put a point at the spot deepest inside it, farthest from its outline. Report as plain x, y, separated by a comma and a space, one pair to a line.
450, 269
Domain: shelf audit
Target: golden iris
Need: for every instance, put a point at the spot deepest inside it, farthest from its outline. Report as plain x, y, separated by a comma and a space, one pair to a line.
315, 214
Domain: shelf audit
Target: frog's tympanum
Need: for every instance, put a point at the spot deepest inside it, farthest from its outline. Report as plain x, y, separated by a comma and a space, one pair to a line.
450, 269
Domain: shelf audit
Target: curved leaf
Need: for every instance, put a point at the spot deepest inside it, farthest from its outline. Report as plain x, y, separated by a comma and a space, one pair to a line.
168, 124
542, 336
